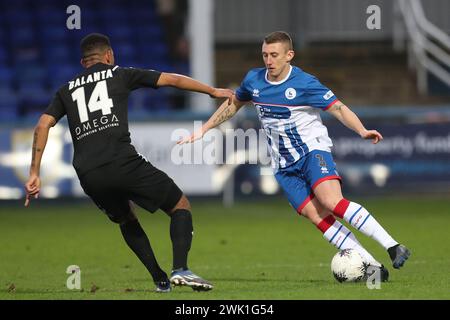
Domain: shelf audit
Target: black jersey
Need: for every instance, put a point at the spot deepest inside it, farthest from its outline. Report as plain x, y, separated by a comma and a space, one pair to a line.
96, 105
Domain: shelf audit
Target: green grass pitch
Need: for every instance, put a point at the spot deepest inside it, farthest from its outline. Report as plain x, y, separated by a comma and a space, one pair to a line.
254, 250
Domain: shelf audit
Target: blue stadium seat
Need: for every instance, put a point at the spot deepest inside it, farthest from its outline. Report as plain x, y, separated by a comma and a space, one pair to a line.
114, 16
17, 17
142, 14
6, 77
8, 105
23, 35
34, 97
3, 33
26, 56
51, 36
89, 18
121, 33
154, 51
29, 73
61, 74
181, 68
3, 55
154, 101
59, 54
8, 114
137, 100
38, 52
16, 5
52, 16
124, 50
149, 32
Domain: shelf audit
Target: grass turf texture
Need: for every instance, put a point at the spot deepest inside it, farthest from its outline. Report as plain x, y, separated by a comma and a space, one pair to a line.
258, 250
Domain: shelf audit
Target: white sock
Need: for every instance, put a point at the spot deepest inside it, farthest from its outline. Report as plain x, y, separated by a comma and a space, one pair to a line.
362, 220
342, 238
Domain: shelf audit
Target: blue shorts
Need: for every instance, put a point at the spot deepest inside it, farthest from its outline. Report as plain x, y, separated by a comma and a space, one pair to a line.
299, 180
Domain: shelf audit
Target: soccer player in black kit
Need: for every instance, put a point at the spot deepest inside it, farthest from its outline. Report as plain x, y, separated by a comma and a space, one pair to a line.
110, 170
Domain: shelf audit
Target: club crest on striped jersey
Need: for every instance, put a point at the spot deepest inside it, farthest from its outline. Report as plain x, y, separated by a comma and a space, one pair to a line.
290, 93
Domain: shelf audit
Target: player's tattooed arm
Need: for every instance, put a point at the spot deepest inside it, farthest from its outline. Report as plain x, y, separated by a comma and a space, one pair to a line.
33, 185
39, 141
187, 83
223, 115
34, 150
349, 119
225, 112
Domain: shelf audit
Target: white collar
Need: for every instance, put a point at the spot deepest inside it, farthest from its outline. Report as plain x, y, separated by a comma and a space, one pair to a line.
281, 81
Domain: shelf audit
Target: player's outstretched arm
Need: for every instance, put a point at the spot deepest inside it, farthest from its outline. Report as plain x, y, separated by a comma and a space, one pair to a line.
33, 185
186, 83
351, 121
222, 114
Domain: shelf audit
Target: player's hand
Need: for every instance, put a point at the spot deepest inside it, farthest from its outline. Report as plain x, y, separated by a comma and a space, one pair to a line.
372, 134
195, 136
32, 188
223, 93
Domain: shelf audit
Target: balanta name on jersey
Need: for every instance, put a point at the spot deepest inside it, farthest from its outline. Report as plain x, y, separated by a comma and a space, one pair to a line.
93, 77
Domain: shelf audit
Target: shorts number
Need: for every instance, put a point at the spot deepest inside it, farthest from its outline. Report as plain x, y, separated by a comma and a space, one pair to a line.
99, 100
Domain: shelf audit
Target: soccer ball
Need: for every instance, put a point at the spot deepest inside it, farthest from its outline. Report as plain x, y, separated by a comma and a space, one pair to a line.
348, 266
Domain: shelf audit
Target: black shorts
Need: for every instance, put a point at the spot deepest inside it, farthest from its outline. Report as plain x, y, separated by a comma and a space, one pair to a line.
113, 185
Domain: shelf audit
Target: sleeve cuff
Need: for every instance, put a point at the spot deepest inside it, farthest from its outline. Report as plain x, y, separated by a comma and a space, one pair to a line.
331, 104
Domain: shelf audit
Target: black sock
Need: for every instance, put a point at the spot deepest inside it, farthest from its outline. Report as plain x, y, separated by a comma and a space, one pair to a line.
137, 240
181, 234
392, 251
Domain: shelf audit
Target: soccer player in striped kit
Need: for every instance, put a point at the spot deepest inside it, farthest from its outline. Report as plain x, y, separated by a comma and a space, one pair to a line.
288, 101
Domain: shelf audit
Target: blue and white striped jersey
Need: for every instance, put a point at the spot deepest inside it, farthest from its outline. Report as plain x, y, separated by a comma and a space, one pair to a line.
289, 111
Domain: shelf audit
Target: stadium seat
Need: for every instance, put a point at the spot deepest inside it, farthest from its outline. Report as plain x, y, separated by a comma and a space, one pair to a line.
3, 55
136, 101
37, 48
115, 15
9, 114
17, 17
50, 35
23, 36
48, 16
26, 56
121, 33
58, 54
3, 33
88, 17
8, 105
33, 97
149, 33
152, 54
6, 77
155, 101
29, 73
142, 14
181, 68
124, 51
16, 4
62, 73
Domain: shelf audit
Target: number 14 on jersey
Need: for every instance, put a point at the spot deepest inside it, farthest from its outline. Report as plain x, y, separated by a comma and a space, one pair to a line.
99, 100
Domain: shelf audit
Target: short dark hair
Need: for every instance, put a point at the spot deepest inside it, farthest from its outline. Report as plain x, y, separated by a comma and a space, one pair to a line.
279, 36
93, 42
